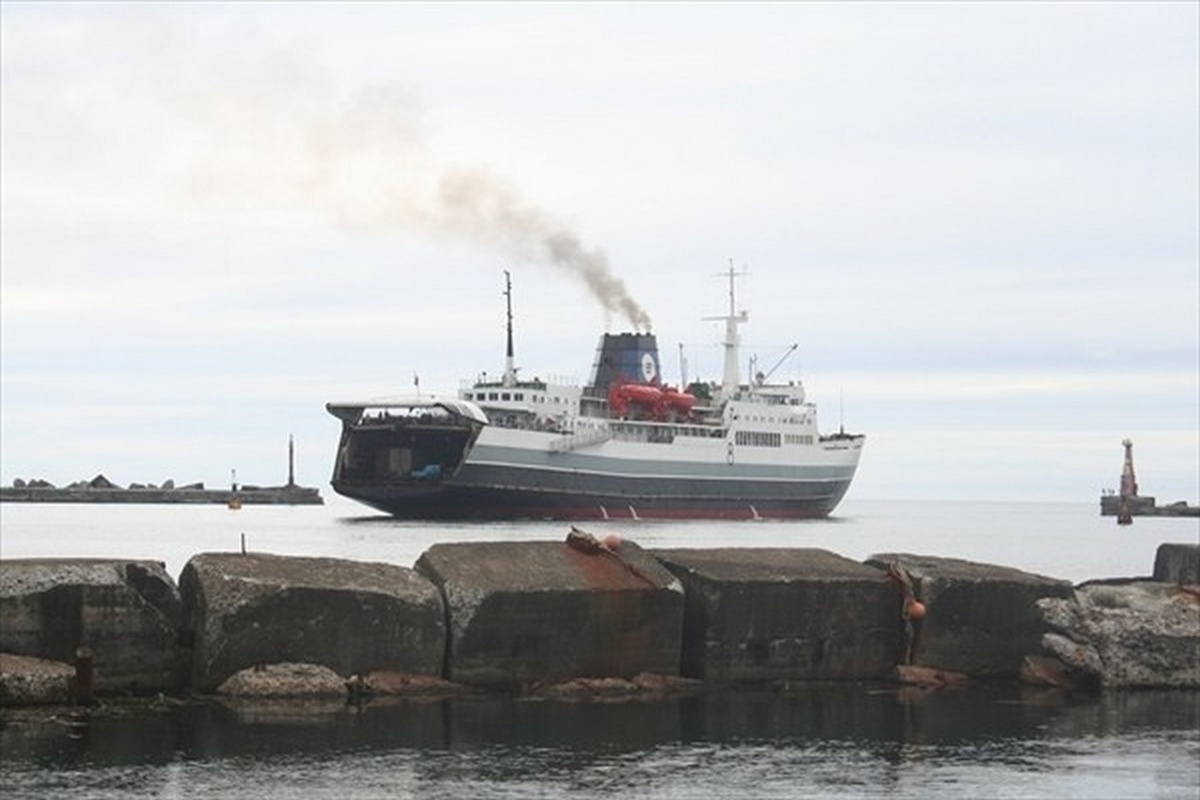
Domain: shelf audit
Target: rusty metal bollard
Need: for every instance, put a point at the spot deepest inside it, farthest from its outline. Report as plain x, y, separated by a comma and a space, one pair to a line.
85, 677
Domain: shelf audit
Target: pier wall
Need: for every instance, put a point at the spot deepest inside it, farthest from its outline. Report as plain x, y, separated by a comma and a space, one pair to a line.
1177, 563
277, 495
246, 610
124, 614
982, 619
784, 614
605, 617
521, 613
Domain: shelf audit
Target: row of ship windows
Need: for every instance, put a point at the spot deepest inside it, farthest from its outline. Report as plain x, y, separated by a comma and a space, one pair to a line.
757, 439
769, 439
510, 397
658, 433
774, 420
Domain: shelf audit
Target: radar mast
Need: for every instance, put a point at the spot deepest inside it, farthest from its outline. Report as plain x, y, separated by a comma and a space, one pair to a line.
731, 378
510, 369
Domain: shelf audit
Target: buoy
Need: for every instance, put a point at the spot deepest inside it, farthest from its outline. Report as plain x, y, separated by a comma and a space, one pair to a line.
916, 609
612, 541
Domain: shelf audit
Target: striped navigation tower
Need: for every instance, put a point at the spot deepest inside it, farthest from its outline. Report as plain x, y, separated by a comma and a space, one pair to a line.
1129, 487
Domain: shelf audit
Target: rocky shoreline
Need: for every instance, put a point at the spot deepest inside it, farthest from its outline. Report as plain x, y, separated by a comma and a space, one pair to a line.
582, 619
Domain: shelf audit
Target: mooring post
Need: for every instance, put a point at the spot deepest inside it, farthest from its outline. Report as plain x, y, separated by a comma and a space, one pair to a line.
85, 677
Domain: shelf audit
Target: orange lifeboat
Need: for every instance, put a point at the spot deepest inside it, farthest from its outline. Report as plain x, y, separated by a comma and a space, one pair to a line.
677, 401
646, 400
641, 397
641, 393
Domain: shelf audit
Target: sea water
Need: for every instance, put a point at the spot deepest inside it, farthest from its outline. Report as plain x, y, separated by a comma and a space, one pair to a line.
804, 741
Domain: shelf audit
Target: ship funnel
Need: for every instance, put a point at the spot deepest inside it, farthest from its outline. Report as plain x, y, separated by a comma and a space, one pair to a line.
624, 358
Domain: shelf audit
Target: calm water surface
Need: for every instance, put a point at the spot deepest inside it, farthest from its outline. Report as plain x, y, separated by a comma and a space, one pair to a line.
1061, 540
828, 740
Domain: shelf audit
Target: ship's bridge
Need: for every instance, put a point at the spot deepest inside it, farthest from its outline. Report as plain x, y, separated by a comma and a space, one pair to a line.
790, 394
523, 404
778, 407
553, 396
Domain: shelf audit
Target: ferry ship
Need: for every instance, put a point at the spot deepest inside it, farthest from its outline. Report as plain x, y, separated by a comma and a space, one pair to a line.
626, 445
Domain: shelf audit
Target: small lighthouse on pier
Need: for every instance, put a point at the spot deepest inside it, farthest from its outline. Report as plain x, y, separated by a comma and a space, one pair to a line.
1126, 503
1129, 487
291, 462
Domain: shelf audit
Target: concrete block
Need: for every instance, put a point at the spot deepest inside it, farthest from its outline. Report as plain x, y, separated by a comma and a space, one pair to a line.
526, 612
1177, 563
29, 681
249, 609
127, 613
773, 614
980, 619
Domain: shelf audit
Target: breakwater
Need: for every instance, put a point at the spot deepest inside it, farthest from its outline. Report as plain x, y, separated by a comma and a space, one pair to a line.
101, 491
581, 617
1114, 505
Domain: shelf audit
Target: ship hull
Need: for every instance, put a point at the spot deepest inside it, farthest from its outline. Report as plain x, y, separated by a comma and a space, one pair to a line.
520, 475
453, 502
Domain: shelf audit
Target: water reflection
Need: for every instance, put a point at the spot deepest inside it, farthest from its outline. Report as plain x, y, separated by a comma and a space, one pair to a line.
222, 729
832, 736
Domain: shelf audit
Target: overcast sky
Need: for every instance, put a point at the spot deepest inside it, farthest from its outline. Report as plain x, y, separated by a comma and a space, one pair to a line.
977, 220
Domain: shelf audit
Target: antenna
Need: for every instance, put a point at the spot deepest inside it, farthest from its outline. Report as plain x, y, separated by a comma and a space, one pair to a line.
841, 411
510, 370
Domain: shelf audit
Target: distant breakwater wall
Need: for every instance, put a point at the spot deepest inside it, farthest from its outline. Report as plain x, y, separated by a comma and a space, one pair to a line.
195, 494
581, 617
1113, 505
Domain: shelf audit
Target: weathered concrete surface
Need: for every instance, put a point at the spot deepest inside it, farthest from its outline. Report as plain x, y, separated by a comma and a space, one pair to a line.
1177, 563
643, 687
928, 677
284, 680
126, 612
402, 684
525, 612
1126, 634
26, 681
248, 609
784, 613
981, 619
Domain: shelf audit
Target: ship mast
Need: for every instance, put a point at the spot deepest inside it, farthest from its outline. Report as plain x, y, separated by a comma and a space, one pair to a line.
730, 380
510, 369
